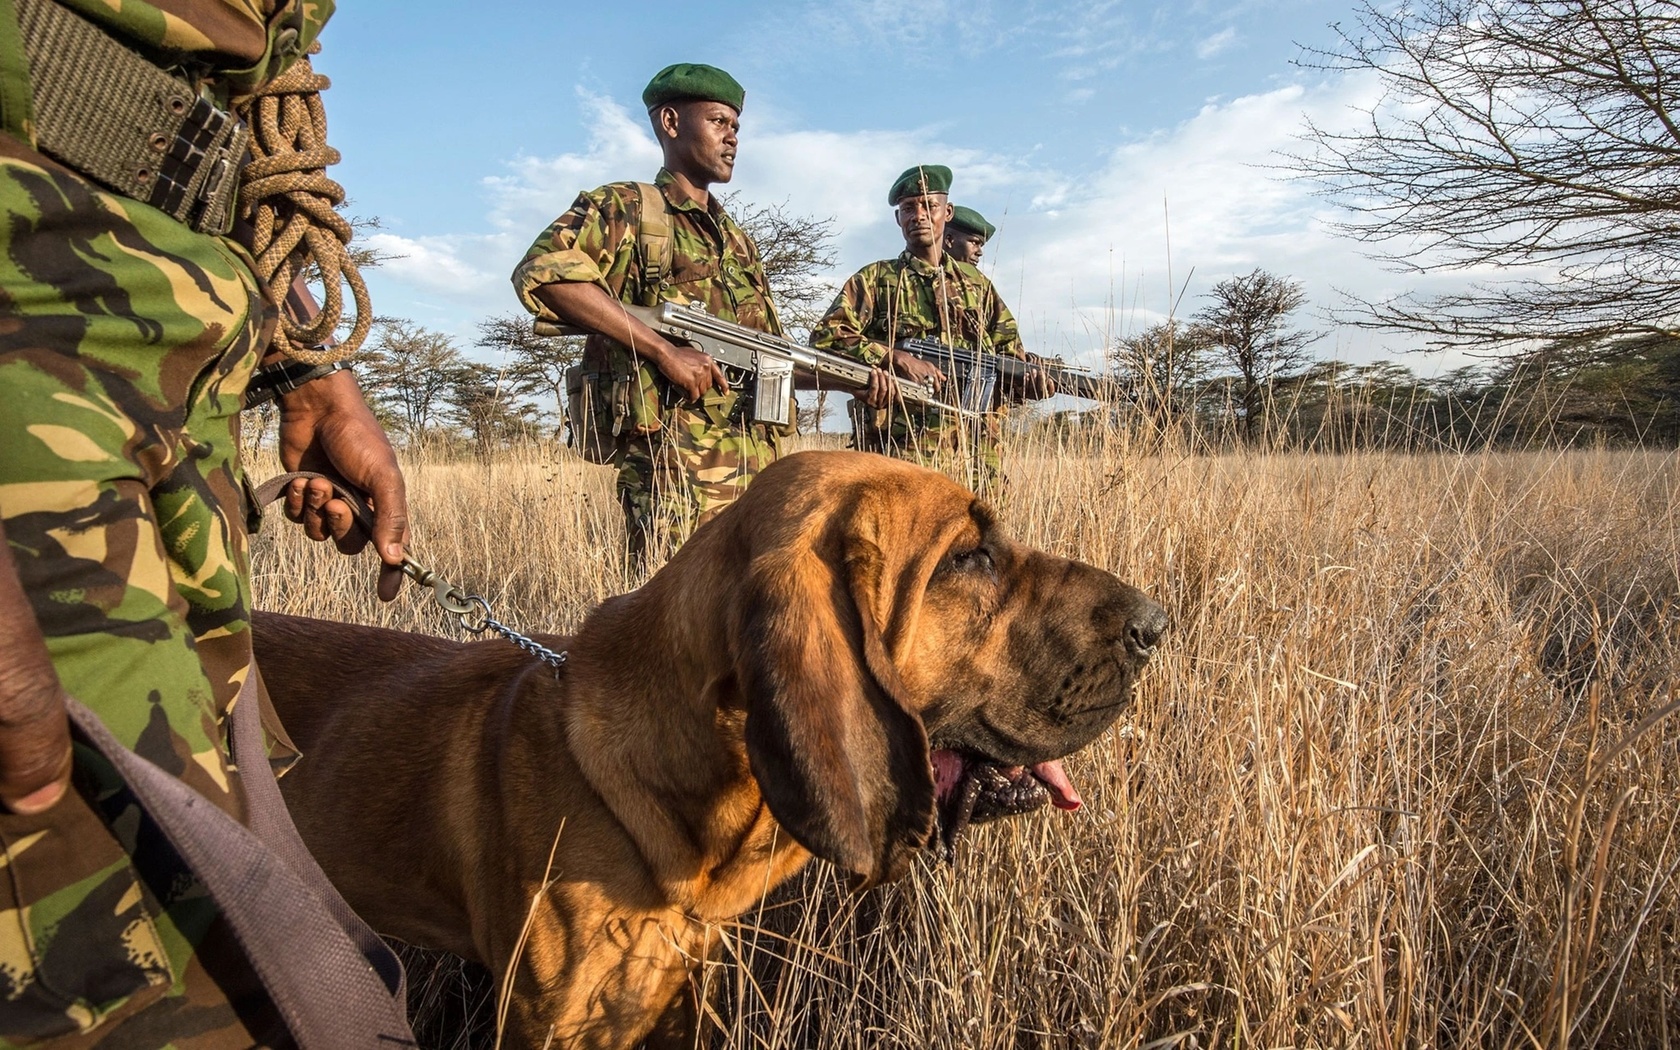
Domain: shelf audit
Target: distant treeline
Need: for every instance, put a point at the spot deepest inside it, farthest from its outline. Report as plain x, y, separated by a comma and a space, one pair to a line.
1623, 395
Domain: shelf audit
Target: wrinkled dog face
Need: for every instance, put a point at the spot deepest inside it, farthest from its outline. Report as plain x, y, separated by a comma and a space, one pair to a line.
1019, 659
900, 657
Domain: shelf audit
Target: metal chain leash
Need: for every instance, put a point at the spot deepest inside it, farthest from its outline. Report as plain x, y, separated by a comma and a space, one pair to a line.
472, 612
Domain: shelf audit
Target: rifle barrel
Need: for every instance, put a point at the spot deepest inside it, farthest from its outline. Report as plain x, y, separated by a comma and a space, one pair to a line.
1068, 378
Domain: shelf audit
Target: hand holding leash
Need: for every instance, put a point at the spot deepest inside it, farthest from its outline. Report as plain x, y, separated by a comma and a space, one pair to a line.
326, 429
471, 611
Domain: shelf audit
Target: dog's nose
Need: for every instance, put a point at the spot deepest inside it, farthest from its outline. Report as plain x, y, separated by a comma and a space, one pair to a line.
1145, 626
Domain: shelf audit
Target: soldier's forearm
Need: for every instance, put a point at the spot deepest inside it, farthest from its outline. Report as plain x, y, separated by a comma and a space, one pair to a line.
587, 306
854, 345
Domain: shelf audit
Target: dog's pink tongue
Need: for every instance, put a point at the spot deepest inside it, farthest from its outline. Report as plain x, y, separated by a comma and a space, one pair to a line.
1063, 795
947, 772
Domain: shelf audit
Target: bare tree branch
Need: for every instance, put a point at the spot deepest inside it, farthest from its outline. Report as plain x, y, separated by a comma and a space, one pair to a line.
1513, 135
796, 251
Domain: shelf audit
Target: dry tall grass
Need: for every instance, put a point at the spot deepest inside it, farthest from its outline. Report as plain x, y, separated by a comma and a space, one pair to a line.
1399, 778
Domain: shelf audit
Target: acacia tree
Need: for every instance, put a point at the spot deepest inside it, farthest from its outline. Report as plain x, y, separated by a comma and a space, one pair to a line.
1160, 366
482, 403
537, 363
1535, 134
796, 250
408, 373
1247, 324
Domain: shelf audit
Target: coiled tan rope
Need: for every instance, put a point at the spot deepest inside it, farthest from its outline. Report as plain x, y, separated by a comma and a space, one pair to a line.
291, 204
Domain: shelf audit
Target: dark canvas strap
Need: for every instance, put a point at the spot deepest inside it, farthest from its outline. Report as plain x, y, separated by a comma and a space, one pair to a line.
332, 980
655, 239
335, 983
275, 487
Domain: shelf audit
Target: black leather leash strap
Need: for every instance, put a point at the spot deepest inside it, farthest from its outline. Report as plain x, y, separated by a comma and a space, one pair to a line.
333, 981
275, 487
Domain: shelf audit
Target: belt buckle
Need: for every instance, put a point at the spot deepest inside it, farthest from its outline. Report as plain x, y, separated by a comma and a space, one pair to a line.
199, 174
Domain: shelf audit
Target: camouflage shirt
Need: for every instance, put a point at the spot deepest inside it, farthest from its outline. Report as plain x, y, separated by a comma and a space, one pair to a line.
906, 298
712, 261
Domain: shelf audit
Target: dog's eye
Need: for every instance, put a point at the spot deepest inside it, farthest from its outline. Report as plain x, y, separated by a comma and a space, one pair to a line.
977, 560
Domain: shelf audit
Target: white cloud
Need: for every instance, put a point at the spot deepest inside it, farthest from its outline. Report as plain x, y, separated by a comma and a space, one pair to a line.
1096, 264
1213, 45
433, 263
537, 189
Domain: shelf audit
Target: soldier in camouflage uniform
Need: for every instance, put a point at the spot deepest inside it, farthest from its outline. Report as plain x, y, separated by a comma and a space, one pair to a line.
682, 438
966, 235
924, 293
126, 343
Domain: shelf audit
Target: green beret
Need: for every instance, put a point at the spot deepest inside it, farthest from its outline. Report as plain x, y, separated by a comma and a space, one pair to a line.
691, 80
920, 181
971, 221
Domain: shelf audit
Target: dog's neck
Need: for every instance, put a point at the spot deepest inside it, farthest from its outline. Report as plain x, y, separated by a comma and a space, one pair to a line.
710, 843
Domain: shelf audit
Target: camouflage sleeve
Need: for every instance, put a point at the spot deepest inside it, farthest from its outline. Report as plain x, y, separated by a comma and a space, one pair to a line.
245, 43
593, 242
843, 329
1006, 334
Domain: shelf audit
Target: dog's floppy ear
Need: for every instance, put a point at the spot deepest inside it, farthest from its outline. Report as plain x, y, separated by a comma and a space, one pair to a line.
839, 757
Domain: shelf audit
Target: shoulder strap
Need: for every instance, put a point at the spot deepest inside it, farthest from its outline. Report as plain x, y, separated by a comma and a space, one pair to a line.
330, 977
654, 240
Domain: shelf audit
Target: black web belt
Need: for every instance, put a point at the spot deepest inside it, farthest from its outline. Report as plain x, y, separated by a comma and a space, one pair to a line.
108, 112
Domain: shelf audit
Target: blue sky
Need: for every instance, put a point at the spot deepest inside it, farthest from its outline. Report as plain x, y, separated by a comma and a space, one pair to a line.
1079, 129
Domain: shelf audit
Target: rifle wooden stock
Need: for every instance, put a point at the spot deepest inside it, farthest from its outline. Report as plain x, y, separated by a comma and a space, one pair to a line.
740, 348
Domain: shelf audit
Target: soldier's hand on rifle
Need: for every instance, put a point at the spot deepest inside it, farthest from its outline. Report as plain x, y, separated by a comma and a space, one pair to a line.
1039, 383
590, 307
884, 390
692, 371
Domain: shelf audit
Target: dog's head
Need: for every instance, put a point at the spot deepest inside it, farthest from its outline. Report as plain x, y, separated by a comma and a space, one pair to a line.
888, 626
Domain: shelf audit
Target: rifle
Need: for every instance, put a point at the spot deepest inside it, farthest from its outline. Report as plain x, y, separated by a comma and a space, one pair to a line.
769, 361
976, 374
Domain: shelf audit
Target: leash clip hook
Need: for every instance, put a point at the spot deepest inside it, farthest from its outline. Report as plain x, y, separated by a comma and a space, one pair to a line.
451, 598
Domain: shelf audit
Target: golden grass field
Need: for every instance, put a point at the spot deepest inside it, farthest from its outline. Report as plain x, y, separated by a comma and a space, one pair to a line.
1403, 775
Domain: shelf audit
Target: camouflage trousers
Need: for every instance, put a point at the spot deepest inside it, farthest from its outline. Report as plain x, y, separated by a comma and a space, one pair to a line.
126, 342
968, 451
682, 475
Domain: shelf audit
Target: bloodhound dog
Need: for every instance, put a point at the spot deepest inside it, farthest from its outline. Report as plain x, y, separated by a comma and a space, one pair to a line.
852, 645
